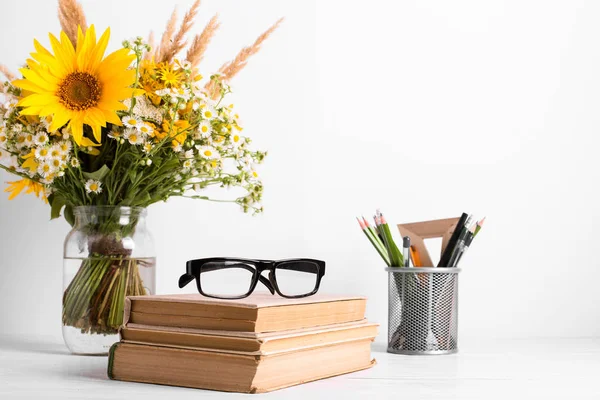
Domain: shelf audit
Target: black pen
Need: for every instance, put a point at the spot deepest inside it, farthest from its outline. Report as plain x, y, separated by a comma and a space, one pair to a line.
405, 252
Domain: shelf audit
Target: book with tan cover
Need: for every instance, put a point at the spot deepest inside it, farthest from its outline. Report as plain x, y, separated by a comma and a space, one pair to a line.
235, 372
247, 342
260, 312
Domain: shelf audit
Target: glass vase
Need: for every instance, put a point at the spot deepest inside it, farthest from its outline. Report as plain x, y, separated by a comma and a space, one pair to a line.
108, 255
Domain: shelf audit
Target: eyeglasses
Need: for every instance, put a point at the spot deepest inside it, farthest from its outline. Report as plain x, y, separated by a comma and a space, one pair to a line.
236, 278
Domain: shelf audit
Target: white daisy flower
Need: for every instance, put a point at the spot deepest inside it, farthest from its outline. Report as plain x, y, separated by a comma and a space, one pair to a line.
42, 153
145, 128
17, 128
253, 176
114, 133
93, 186
208, 112
147, 147
3, 138
29, 139
45, 169
41, 138
208, 152
133, 136
21, 140
189, 154
204, 129
236, 140
56, 152
75, 162
65, 146
131, 121
187, 165
57, 163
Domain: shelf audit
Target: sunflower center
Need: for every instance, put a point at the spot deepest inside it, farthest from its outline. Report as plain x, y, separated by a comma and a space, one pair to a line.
79, 91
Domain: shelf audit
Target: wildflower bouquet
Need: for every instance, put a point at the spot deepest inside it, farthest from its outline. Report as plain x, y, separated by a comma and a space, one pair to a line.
130, 129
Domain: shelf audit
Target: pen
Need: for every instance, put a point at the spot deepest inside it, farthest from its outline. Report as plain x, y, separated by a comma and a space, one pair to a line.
447, 254
405, 247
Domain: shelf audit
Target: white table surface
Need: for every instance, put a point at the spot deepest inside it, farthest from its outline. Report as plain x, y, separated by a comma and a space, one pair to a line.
542, 368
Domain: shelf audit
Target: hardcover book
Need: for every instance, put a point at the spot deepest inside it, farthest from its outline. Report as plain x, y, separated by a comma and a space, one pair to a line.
236, 372
260, 312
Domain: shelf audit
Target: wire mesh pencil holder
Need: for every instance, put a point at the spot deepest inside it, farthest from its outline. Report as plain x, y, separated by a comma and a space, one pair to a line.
423, 310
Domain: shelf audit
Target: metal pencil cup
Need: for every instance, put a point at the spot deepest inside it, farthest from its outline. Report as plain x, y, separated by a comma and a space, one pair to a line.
423, 310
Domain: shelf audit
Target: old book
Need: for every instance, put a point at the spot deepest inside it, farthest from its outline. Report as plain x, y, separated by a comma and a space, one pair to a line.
235, 372
248, 342
260, 312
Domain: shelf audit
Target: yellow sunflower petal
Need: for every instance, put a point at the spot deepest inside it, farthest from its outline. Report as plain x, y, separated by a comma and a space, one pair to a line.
59, 119
93, 61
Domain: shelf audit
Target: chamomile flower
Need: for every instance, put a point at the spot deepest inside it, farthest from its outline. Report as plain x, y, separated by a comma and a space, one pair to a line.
42, 153
45, 169
17, 128
115, 133
147, 147
29, 139
204, 129
188, 154
208, 112
65, 146
236, 140
131, 121
187, 165
208, 152
133, 136
41, 138
3, 138
57, 163
75, 163
146, 129
21, 140
55, 152
93, 186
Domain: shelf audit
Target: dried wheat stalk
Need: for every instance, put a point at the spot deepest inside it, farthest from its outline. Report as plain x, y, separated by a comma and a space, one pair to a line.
71, 15
6, 72
232, 68
179, 41
196, 51
151, 42
165, 40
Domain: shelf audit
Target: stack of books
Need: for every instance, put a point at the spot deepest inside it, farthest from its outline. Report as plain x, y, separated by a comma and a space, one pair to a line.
252, 345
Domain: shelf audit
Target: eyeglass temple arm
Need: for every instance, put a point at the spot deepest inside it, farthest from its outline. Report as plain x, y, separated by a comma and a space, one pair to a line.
187, 278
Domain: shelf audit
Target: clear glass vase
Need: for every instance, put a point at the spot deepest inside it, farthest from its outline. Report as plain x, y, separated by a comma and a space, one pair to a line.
109, 254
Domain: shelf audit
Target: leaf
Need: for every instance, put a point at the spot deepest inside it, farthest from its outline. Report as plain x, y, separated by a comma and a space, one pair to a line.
56, 205
99, 174
69, 216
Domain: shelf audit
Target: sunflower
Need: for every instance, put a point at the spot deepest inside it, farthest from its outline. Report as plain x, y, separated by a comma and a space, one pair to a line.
76, 85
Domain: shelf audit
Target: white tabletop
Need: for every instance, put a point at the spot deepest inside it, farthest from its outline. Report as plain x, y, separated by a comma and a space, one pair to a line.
544, 368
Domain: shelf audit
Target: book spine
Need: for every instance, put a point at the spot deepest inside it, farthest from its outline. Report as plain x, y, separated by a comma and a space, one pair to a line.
111, 360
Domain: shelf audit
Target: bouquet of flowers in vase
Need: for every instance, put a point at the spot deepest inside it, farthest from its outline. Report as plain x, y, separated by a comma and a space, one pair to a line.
128, 129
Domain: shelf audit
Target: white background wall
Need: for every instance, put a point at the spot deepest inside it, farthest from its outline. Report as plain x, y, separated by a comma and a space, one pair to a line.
423, 108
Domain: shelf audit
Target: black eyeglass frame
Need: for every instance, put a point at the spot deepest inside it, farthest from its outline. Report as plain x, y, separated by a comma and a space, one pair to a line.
195, 267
